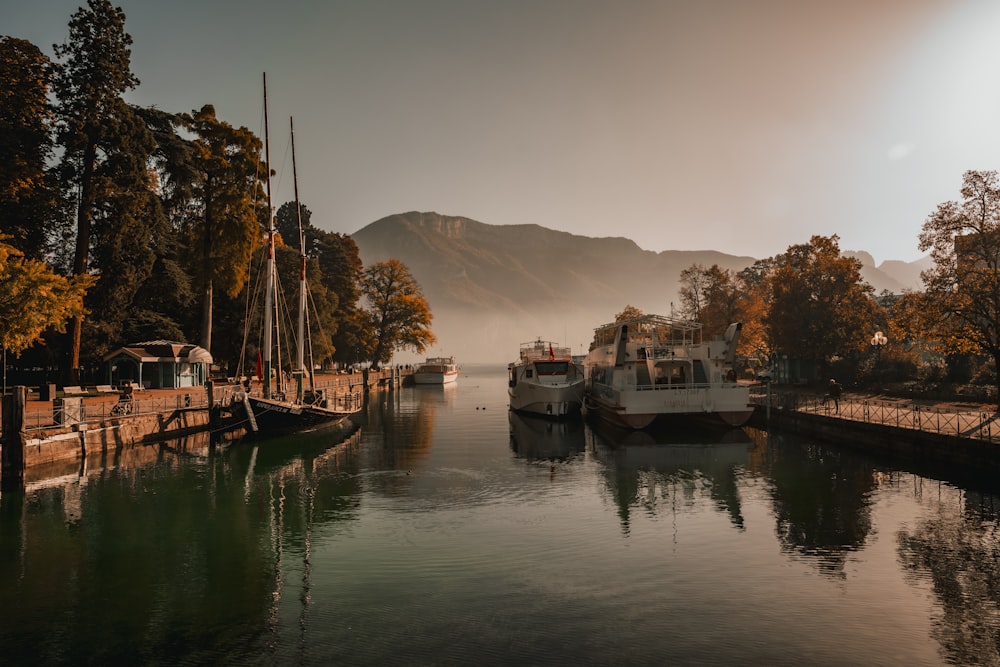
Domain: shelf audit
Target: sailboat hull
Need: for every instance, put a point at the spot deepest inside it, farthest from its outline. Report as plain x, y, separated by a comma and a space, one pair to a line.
274, 417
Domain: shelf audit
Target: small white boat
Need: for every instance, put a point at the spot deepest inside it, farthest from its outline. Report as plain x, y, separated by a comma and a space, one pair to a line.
653, 366
545, 381
436, 370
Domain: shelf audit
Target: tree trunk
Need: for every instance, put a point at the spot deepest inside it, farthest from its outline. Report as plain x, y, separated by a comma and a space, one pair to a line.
80, 260
206, 318
206, 248
996, 365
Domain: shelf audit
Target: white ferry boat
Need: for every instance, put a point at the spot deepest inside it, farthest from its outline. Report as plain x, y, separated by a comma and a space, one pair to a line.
436, 370
545, 381
653, 366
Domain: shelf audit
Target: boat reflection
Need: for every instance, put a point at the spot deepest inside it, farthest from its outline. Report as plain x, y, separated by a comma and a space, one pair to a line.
541, 439
652, 469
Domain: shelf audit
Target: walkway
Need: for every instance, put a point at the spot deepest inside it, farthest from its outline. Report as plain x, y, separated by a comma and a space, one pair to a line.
974, 421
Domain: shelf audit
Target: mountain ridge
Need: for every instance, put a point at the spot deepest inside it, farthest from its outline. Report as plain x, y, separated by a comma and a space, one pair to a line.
492, 287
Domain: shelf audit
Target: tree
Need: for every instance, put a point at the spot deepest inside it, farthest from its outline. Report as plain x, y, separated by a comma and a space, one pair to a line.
630, 312
127, 229
963, 287
89, 86
818, 306
339, 272
34, 298
692, 292
28, 193
226, 225
717, 297
398, 316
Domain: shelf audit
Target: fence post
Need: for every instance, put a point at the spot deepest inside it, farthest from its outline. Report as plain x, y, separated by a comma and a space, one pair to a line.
12, 457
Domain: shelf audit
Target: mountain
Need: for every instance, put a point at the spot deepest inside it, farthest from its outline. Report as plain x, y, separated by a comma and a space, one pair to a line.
892, 275
493, 287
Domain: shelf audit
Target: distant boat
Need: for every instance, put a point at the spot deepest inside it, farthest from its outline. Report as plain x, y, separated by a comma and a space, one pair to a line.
279, 407
545, 381
436, 370
654, 367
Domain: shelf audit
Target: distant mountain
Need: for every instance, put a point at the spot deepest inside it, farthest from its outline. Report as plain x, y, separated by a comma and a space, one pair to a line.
892, 275
492, 287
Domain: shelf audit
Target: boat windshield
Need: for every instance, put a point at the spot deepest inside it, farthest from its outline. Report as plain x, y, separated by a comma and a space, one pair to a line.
552, 367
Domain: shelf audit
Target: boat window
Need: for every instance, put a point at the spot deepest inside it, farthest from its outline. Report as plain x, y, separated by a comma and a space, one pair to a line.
552, 367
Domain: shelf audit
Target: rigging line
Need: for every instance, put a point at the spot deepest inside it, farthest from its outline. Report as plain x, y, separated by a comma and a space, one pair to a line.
319, 322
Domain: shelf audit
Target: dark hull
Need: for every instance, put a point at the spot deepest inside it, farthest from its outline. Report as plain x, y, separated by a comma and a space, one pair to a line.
278, 417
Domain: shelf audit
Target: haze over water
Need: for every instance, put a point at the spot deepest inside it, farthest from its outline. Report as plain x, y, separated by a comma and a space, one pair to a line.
447, 531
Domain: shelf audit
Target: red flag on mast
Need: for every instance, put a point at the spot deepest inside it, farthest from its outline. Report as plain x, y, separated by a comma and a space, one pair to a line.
260, 366
552, 355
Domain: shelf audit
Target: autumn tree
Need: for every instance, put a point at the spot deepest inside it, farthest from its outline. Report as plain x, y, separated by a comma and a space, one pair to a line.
397, 316
93, 74
34, 298
712, 296
818, 305
630, 312
29, 198
225, 226
963, 287
717, 297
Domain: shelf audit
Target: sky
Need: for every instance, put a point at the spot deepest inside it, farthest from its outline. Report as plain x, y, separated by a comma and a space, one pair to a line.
743, 126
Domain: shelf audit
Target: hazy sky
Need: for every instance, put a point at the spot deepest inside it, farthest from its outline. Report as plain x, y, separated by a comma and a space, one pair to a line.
736, 125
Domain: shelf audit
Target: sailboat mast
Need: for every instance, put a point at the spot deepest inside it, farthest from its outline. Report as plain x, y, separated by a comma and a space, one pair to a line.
269, 286
300, 346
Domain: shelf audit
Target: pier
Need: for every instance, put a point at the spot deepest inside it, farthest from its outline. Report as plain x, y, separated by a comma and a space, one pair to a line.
80, 422
942, 436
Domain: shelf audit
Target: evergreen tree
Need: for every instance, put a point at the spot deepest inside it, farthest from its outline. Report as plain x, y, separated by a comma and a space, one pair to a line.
225, 225
29, 198
93, 74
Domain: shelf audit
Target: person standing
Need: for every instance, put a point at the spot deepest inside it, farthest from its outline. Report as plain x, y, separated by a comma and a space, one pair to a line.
834, 391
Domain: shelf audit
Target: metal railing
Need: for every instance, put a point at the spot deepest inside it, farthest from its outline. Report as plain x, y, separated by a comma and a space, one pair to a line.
975, 424
68, 411
342, 389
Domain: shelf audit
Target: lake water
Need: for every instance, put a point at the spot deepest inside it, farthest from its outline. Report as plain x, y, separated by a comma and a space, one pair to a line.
448, 532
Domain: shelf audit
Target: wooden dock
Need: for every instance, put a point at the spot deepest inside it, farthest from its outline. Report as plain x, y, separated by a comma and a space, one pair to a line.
93, 422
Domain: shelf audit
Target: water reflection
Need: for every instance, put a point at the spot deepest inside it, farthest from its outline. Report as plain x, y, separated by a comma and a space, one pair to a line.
957, 551
822, 501
541, 439
165, 547
399, 434
654, 470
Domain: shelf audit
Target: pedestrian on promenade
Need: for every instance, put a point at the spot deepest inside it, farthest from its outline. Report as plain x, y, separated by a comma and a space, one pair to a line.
833, 391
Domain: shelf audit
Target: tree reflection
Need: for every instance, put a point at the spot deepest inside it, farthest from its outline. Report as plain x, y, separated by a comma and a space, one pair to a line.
821, 501
146, 562
957, 551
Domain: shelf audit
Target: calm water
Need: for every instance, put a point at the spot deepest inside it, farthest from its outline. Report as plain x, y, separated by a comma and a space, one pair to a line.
447, 532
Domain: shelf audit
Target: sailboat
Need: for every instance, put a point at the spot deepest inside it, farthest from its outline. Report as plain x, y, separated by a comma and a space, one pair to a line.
277, 409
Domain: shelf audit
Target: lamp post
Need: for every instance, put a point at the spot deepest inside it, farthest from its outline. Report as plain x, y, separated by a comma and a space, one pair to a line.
878, 340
